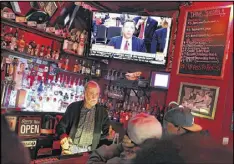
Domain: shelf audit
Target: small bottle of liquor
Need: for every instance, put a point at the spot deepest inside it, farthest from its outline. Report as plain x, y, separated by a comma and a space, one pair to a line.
21, 44
98, 71
93, 69
41, 54
48, 53
76, 66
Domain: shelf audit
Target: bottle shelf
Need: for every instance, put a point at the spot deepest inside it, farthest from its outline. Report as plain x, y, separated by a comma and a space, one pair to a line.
79, 74
24, 27
7, 52
70, 53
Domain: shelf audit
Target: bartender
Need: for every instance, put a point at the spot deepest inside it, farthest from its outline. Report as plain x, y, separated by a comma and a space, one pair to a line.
84, 124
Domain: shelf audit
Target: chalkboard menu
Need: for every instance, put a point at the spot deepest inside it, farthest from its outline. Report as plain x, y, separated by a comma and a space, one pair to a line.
205, 39
29, 126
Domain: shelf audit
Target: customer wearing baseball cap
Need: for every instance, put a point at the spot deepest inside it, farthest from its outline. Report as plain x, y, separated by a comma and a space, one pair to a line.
140, 128
179, 121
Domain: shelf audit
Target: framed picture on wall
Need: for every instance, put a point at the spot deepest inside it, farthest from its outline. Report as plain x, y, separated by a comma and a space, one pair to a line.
50, 8
200, 99
42, 4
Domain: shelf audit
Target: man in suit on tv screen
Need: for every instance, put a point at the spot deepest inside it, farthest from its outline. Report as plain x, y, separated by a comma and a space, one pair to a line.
127, 41
159, 38
145, 27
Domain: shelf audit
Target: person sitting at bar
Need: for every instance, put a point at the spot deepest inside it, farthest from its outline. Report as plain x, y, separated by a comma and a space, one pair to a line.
84, 123
179, 121
140, 128
186, 149
13, 151
128, 42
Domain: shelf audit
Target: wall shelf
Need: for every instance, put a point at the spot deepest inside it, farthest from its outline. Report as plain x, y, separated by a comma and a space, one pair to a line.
64, 52
7, 52
24, 27
78, 74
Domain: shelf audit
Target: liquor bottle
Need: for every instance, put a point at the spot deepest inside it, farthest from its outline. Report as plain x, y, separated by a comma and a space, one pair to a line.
79, 66
70, 82
98, 71
93, 69
8, 37
13, 44
48, 53
37, 50
76, 66
66, 63
3, 33
25, 78
34, 45
88, 70
81, 89
83, 71
41, 86
21, 44
41, 54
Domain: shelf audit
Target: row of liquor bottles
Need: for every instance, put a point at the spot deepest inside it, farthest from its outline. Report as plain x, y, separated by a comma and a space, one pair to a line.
43, 95
123, 111
85, 67
11, 39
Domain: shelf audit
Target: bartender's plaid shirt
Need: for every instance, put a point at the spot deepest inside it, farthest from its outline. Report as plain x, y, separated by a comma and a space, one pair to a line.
84, 134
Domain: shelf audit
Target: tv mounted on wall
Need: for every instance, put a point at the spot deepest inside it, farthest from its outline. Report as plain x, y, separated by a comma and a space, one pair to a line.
159, 80
130, 37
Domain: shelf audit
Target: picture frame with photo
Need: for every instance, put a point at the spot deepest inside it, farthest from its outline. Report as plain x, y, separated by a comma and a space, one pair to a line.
200, 99
51, 8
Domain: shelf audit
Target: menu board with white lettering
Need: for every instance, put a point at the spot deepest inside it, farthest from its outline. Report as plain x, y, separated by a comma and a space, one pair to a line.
205, 41
29, 126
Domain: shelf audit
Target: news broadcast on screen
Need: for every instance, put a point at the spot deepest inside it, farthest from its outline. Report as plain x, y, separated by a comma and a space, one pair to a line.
130, 37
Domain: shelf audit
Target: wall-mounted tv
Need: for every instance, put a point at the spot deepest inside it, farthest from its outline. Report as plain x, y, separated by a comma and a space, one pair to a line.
160, 80
130, 37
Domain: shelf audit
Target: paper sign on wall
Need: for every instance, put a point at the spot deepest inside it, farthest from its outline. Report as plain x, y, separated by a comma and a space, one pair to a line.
12, 122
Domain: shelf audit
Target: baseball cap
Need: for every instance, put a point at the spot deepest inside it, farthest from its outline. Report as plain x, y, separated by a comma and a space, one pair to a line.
142, 127
181, 117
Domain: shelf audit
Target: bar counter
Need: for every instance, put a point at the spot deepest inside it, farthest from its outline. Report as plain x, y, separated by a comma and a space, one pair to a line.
81, 158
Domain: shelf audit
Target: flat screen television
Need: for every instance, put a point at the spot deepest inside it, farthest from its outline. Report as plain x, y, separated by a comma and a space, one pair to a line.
130, 37
160, 80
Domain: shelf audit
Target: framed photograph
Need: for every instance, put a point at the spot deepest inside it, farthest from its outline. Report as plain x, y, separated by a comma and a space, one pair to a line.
50, 8
200, 99
42, 4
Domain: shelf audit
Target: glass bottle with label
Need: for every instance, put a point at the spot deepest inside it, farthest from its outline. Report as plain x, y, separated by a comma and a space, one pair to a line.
93, 69
79, 66
13, 43
66, 63
76, 67
88, 70
98, 71
83, 71
21, 44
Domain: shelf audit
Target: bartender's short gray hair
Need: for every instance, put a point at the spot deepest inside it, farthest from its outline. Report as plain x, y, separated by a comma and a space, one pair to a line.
91, 83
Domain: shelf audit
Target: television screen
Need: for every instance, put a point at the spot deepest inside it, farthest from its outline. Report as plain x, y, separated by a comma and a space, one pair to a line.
159, 80
130, 37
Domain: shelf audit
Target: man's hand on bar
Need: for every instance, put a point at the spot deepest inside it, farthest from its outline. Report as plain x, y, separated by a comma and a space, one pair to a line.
65, 144
127, 143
